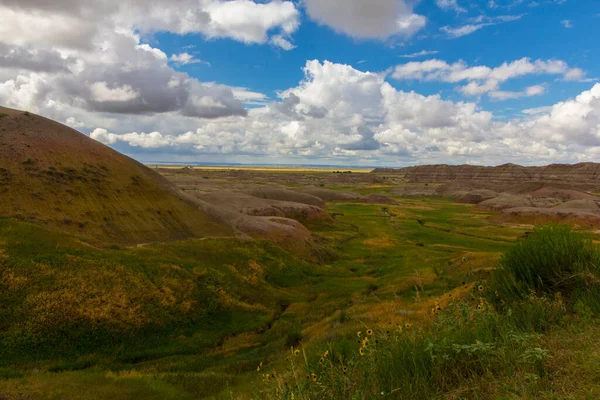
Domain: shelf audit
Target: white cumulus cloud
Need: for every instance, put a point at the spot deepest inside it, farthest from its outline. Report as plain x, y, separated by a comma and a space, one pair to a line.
281, 42
243, 20
343, 114
185, 59
482, 79
535, 90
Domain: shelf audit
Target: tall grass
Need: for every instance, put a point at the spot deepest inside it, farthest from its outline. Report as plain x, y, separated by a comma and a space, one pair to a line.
494, 335
467, 342
555, 259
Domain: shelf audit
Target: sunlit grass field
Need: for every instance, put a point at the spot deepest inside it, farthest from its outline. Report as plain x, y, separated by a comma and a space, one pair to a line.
209, 318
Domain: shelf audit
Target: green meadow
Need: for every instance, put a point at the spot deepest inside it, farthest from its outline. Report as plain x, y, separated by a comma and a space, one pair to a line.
241, 319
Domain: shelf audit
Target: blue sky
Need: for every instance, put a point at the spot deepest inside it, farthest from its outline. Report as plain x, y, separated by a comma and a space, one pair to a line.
538, 34
348, 82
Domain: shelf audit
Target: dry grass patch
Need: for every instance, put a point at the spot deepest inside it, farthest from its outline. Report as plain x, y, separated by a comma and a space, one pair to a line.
384, 242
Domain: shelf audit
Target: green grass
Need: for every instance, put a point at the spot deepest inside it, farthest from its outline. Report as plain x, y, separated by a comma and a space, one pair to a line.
461, 347
469, 341
92, 385
195, 318
555, 259
62, 297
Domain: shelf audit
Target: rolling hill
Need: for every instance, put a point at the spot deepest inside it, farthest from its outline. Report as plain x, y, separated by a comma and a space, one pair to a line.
57, 177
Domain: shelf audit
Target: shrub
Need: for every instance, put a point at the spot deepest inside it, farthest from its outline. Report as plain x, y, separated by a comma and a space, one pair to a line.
555, 259
371, 288
9, 373
343, 317
293, 337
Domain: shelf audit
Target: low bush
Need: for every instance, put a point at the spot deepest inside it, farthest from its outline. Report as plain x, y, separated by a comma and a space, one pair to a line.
293, 337
555, 259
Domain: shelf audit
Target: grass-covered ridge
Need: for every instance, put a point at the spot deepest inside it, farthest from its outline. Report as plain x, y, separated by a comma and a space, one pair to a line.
59, 297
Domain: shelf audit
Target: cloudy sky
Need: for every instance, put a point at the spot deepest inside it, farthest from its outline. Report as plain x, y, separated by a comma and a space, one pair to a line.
340, 82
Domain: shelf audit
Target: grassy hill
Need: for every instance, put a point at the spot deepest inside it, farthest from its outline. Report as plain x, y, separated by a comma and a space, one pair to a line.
57, 177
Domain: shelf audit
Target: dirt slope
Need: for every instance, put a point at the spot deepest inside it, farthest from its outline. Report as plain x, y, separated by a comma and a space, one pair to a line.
242, 203
55, 176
